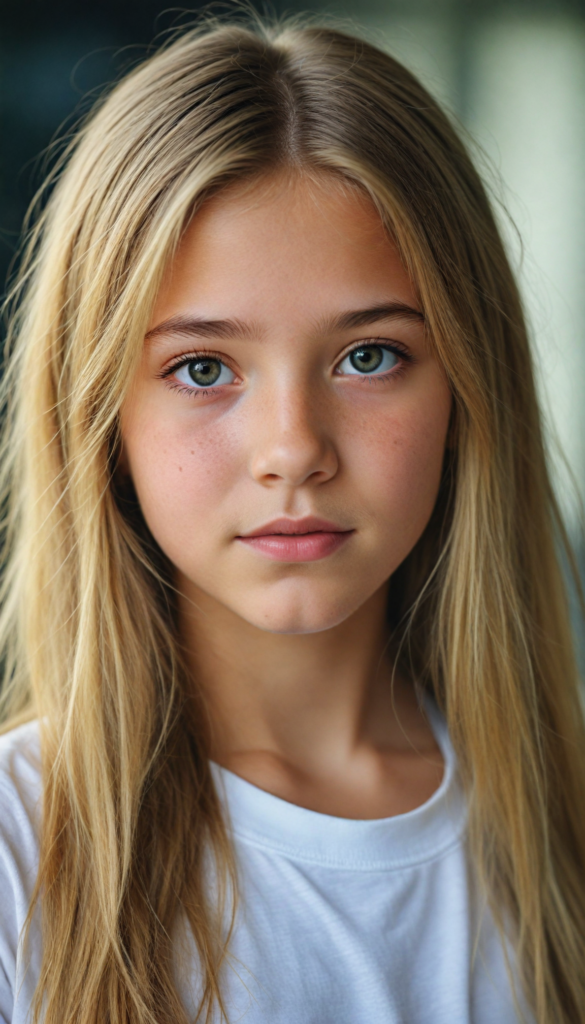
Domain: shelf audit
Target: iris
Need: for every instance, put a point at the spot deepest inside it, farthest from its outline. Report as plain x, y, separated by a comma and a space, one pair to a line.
205, 371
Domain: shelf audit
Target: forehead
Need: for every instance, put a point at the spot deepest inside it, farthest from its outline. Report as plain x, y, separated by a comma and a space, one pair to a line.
284, 247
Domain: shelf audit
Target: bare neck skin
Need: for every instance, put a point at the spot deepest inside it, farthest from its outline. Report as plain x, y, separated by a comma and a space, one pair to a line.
314, 718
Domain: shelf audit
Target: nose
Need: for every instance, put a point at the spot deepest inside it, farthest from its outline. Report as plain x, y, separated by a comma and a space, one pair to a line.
291, 443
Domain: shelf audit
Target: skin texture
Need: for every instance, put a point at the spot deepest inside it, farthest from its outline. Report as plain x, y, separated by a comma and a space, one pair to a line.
290, 655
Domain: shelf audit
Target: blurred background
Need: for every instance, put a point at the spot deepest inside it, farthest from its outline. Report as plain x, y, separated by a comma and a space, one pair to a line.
511, 72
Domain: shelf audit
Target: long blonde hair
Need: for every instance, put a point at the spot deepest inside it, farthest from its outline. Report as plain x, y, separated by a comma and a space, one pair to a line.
88, 628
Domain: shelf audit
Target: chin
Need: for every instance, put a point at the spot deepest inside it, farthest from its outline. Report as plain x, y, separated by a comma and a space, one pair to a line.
294, 617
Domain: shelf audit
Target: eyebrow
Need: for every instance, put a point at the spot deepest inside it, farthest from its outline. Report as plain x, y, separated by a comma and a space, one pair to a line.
371, 315
199, 327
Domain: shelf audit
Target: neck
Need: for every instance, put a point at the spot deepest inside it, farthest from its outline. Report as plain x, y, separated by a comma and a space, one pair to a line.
289, 695
317, 718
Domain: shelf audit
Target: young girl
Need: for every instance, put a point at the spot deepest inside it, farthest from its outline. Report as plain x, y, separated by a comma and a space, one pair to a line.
293, 723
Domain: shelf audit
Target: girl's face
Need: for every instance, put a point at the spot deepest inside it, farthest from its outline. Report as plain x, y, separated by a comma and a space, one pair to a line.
286, 427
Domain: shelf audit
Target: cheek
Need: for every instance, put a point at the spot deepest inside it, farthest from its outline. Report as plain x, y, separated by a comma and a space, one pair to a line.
182, 476
398, 463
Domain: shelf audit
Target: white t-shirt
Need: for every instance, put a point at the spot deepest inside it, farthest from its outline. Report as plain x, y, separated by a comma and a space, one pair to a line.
339, 922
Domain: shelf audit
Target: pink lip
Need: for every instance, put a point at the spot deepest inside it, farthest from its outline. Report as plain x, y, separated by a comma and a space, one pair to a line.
297, 540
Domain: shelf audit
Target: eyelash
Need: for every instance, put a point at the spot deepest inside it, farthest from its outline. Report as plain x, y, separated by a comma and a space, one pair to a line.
183, 360
186, 357
396, 347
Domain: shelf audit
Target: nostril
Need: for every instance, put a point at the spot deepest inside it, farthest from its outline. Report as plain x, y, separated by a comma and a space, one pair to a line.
293, 460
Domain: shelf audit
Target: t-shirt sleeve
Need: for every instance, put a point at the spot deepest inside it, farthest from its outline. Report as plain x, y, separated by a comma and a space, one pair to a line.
6, 1000
8, 926
19, 818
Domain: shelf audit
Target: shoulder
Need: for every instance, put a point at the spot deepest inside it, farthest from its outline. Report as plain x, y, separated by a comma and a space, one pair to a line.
20, 810
20, 780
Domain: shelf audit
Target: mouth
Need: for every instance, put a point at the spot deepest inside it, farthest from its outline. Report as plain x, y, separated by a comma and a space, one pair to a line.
296, 540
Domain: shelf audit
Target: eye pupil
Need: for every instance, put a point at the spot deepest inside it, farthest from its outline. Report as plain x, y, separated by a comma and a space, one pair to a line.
367, 358
204, 371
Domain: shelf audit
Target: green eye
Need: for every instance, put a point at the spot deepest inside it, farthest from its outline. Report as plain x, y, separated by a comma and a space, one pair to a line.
368, 359
204, 372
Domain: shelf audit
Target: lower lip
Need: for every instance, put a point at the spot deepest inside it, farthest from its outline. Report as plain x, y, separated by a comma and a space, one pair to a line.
300, 547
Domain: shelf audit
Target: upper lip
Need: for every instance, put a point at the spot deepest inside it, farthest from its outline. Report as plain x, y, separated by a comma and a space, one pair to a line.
290, 527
